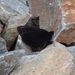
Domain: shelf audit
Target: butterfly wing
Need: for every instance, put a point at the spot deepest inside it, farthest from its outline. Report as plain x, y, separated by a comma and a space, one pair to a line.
24, 29
33, 36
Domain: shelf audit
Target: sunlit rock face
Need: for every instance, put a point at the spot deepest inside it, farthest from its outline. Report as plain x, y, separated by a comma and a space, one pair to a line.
53, 60
68, 22
57, 15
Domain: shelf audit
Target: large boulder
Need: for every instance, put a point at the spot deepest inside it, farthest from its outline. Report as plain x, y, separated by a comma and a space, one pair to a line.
10, 32
1, 27
55, 59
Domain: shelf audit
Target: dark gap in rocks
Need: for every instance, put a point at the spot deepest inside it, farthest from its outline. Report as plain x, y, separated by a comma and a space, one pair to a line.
12, 48
33, 21
67, 45
3, 25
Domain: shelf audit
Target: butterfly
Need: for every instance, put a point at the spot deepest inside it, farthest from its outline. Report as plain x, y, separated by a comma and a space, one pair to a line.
35, 37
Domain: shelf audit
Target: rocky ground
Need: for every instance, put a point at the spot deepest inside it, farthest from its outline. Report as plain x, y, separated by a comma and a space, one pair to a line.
17, 58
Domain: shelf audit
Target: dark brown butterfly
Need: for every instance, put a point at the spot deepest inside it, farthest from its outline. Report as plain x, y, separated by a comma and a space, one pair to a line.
35, 37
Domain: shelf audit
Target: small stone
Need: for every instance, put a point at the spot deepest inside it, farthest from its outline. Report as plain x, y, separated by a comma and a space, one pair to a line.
3, 48
72, 51
16, 6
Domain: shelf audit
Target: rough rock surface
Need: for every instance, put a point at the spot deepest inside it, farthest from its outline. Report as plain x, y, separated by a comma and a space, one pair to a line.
16, 6
67, 35
6, 13
56, 15
18, 20
23, 1
68, 21
10, 33
18, 43
3, 48
8, 61
45, 11
21, 45
26, 58
53, 60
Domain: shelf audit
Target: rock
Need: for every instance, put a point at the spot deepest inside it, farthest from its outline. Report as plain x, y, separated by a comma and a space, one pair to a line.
68, 22
3, 48
33, 6
6, 13
10, 36
72, 51
26, 48
55, 59
48, 13
16, 6
10, 33
26, 58
8, 61
33, 21
21, 45
67, 35
18, 20
56, 15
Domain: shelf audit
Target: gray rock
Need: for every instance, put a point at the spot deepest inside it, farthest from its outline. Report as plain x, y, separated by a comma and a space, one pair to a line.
72, 51
25, 58
10, 33
6, 13
23, 1
17, 6
3, 48
21, 45
53, 60
8, 61
18, 20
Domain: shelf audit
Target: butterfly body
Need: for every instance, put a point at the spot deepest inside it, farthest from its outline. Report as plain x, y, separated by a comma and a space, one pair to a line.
35, 37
